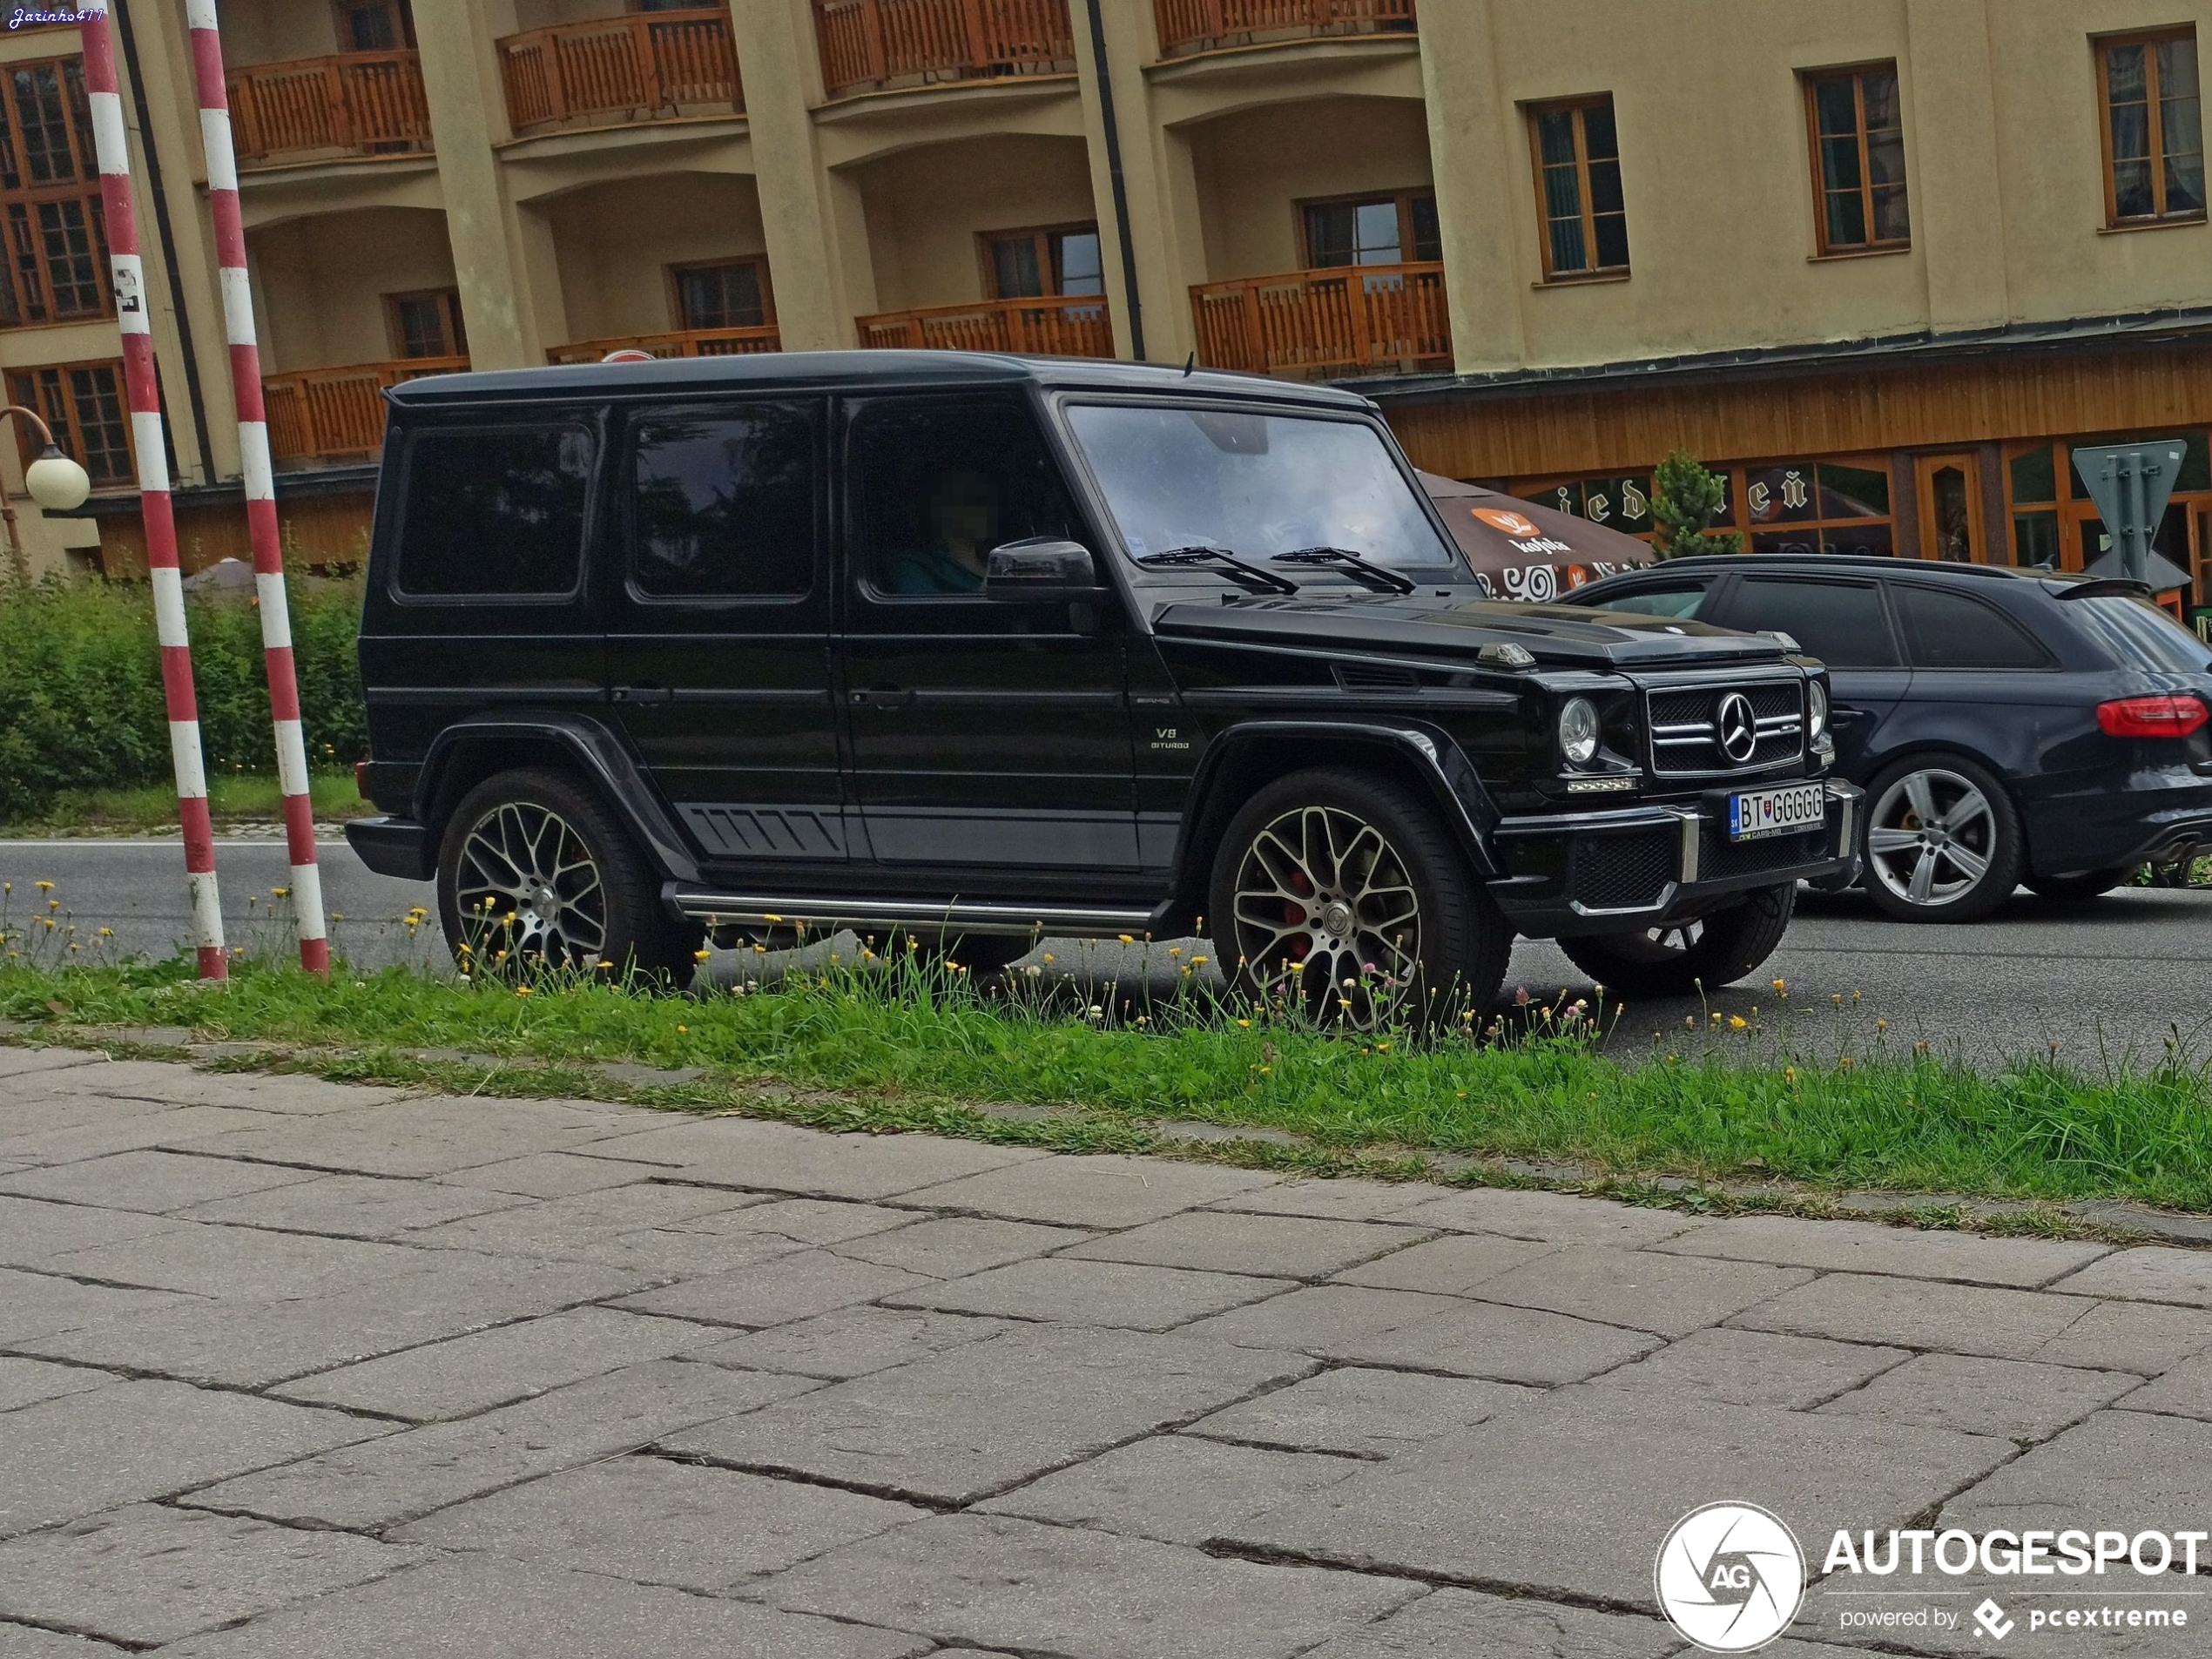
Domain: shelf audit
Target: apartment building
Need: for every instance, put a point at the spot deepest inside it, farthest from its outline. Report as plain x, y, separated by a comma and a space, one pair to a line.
1881, 261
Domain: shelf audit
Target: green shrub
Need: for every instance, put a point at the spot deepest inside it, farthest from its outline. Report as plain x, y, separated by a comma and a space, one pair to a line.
80, 687
1686, 497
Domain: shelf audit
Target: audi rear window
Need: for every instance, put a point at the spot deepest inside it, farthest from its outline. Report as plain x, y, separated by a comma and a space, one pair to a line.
2140, 634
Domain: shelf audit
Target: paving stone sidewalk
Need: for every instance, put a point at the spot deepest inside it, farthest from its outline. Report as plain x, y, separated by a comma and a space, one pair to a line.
291, 1368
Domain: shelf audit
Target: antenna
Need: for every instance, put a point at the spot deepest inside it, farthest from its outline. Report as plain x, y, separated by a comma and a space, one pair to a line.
1189, 363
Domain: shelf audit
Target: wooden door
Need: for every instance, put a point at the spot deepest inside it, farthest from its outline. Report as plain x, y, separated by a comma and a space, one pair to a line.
1950, 520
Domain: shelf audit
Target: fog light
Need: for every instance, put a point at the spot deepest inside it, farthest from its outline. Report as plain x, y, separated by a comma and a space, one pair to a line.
1578, 732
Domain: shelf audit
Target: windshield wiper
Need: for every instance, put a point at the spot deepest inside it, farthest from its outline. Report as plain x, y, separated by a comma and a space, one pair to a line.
1379, 578
1245, 575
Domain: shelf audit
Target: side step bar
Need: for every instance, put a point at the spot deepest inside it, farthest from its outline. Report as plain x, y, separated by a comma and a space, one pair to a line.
950, 916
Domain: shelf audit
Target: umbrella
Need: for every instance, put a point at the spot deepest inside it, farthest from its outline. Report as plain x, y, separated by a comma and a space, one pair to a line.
1520, 551
229, 579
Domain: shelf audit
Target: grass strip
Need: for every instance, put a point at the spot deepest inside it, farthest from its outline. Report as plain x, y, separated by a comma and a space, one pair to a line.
142, 807
910, 1049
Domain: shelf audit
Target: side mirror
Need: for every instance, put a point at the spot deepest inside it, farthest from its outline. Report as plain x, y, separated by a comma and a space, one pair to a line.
1043, 567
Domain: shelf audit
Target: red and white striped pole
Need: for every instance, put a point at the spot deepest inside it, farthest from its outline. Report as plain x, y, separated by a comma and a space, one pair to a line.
260, 489
147, 438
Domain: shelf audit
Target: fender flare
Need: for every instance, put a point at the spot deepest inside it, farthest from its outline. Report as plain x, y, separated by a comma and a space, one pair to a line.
1450, 778
596, 750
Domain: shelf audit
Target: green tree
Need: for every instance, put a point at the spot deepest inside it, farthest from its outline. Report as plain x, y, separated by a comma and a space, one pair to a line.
1686, 497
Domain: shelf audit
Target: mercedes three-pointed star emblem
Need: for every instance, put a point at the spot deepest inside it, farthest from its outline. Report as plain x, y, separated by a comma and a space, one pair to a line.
1735, 727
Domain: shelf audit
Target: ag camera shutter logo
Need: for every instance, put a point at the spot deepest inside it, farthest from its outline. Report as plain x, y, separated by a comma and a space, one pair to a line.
1730, 1577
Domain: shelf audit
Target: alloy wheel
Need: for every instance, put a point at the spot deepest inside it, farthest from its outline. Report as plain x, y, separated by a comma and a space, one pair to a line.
1930, 837
1327, 918
528, 883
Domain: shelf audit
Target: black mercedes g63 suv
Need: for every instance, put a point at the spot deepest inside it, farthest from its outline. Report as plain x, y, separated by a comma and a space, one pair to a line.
977, 649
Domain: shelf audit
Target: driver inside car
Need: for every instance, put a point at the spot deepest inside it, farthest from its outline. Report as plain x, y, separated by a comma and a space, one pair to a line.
963, 524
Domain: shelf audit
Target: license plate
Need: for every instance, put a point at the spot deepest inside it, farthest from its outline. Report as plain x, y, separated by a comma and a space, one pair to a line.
1761, 813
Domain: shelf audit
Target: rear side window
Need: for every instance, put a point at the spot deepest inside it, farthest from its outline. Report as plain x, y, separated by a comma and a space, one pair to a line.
2140, 634
722, 504
493, 512
1841, 623
1944, 629
1680, 601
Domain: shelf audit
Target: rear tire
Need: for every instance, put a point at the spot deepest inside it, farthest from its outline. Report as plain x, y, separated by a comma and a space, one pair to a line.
535, 864
1713, 951
1331, 875
2062, 888
1943, 840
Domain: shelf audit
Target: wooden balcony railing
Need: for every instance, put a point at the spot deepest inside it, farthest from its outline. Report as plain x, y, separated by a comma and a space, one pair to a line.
352, 103
646, 66
1055, 326
1196, 25
879, 42
689, 342
1326, 325
329, 414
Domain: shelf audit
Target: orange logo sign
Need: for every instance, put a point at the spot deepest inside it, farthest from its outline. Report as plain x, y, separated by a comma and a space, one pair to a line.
1511, 523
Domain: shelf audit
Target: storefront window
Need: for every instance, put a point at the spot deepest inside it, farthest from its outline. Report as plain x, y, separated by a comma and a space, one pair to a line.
1622, 504
1819, 506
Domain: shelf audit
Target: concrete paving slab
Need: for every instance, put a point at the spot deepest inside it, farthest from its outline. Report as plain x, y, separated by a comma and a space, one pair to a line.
794, 1285
2186, 1390
757, 1156
1870, 1247
1756, 1368
1324, 1320
33, 1104
33, 1231
1277, 1246
1088, 1292
407, 1474
1450, 1266
464, 1375
1551, 1218
2004, 1325
148, 1573
132, 1440
851, 1342
484, 1608
655, 1521
155, 1182
168, 1083
804, 1221
973, 1420
579, 1226
1362, 1412
350, 1206
1976, 1395
551, 1175
2129, 1470
35, 1307
251, 1345
25, 1382
995, 1580
23, 1641
1462, 1624
418, 1137
1105, 1190
194, 1126
2152, 1273
954, 1246
21, 1062
1565, 1478
1172, 1487
1671, 1296
1347, 1198
243, 1262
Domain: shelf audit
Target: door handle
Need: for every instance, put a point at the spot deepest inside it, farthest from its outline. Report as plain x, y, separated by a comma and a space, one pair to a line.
882, 696
646, 692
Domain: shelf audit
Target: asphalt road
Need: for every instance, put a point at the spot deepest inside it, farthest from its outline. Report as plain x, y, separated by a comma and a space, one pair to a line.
2107, 981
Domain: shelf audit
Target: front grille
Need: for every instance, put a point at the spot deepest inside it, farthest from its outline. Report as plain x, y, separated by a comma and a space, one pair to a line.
1721, 857
1685, 727
1617, 871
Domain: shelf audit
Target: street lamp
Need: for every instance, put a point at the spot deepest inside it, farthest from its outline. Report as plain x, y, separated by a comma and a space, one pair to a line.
54, 482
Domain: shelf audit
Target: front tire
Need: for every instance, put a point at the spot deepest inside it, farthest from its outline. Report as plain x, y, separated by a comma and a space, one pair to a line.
1943, 840
1708, 953
1332, 876
533, 865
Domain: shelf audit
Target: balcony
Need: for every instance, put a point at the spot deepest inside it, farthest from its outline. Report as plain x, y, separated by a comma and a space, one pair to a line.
689, 342
352, 103
1205, 25
870, 44
1055, 325
321, 414
647, 66
1335, 324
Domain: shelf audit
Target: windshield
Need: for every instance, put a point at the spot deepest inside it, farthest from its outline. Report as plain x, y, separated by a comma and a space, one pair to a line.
2139, 633
1255, 485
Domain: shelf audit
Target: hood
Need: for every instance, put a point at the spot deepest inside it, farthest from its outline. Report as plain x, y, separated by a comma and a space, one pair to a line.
1431, 626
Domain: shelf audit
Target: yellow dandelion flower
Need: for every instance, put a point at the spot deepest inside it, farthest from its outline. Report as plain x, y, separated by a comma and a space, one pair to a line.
701, 955
1127, 938
44, 886
1244, 1025
1737, 1022
522, 990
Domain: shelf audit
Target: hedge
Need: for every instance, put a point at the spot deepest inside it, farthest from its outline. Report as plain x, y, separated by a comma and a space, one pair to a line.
80, 686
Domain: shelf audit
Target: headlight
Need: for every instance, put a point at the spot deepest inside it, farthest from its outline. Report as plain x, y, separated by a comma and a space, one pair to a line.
1578, 730
1816, 709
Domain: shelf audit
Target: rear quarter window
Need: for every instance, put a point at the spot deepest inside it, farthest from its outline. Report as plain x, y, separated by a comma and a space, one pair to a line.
1946, 630
493, 512
2139, 634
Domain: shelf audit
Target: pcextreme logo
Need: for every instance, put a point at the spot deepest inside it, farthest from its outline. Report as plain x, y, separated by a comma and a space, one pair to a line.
1730, 1577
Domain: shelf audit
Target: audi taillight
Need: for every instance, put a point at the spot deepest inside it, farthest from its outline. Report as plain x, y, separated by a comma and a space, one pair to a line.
2152, 717
361, 778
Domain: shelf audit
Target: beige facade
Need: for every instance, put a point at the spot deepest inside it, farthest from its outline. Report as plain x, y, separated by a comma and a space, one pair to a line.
511, 180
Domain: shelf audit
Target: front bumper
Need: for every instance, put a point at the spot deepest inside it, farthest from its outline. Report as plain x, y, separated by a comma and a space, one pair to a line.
1644, 866
396, 847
